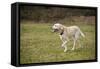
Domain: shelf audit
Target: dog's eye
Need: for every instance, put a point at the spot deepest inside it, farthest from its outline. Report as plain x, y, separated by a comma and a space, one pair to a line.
55, 25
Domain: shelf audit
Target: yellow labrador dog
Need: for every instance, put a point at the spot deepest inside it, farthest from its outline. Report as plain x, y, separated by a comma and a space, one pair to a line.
67, 33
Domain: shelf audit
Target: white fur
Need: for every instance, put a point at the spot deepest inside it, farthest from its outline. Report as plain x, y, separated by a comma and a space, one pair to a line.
67, 33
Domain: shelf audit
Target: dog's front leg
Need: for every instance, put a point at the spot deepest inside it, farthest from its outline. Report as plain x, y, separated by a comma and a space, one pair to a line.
64, 45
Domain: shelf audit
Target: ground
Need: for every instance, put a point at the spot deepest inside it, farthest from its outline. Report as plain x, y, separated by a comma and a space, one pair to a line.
40, 44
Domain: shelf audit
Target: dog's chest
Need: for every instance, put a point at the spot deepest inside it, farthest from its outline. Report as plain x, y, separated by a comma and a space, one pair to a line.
66, 35
63, 36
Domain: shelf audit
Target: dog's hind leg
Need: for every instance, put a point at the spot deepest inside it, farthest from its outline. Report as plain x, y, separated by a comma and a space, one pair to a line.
74, 44
75, 39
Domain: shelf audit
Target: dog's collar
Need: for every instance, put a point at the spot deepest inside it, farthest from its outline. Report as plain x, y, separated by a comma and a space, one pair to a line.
61, 33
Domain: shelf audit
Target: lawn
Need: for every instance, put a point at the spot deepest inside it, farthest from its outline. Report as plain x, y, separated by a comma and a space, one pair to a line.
40, 44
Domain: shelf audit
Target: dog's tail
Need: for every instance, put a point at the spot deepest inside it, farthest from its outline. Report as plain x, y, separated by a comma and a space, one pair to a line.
82, 33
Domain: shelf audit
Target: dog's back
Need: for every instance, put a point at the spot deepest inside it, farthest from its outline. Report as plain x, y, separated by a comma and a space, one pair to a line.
74, 30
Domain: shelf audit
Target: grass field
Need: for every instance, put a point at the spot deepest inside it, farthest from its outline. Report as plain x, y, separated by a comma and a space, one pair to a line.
39, 44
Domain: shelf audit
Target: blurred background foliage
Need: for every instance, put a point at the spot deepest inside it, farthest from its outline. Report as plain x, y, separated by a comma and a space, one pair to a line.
47, 14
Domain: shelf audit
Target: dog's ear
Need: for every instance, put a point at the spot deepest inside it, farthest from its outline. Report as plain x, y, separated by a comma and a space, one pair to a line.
62, 28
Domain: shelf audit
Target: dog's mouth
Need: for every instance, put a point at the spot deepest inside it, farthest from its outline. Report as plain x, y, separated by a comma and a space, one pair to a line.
55, 30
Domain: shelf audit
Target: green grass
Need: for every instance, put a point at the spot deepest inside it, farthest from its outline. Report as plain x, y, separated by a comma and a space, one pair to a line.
39, 44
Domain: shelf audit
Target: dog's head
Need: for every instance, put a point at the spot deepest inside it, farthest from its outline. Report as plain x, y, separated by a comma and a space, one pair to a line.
57, 27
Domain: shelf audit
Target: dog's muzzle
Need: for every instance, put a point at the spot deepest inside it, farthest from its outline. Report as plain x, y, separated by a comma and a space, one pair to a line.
55, 30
